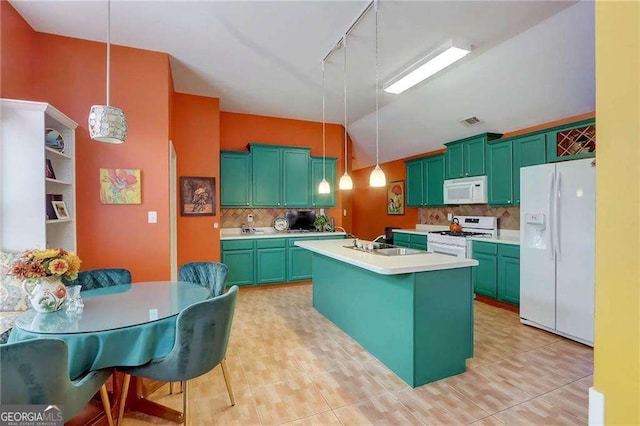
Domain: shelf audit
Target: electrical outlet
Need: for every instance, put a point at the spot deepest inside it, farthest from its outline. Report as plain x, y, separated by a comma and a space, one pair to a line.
250, 218
449, 217
215, 225
152, 217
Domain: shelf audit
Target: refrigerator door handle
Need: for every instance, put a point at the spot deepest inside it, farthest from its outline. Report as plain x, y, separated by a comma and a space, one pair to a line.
557, 215
552, 193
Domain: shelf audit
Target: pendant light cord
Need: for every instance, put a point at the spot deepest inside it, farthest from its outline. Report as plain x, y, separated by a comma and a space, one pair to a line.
108, 46
323, 125
345, 102
377, 131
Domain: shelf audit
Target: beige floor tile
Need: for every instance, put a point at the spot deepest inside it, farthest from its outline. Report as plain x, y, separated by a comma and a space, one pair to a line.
387, 378
380, 410
488, 421
213, 381
537, 412
439, 404
572, 398
217, 410
323, 419
572, 360
491, 393
325, 357
269, 369
344, 386
287, 401
260, 345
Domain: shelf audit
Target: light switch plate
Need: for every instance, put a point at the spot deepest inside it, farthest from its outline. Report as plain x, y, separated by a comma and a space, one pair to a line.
152, 217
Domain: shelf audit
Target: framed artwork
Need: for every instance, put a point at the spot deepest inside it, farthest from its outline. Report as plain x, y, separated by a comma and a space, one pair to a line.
197, 196
60, 209
48, 169
120, 186
395, 197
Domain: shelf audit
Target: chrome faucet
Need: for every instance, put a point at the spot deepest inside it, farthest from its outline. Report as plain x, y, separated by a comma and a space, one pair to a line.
378, 237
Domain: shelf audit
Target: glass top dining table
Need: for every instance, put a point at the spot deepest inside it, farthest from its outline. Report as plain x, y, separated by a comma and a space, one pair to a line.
123, 325
120, 306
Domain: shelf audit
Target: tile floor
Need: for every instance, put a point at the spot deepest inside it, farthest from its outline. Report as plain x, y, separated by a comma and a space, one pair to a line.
290, 365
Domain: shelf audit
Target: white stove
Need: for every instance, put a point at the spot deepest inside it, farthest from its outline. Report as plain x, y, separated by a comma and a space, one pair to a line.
458, 243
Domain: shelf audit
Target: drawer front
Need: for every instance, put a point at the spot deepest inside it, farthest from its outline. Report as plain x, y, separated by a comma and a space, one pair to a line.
271, 243
509, 250
237, 244
401, 237
418, 239
486, 248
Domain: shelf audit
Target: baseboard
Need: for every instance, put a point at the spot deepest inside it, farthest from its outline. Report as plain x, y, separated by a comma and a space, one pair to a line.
596, 408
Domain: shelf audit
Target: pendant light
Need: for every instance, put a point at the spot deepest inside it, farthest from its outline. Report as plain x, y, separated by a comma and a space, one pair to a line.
107, 123
324, 187
377, 178
345, 180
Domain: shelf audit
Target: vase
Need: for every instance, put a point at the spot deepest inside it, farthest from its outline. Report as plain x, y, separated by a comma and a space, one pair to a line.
47, 293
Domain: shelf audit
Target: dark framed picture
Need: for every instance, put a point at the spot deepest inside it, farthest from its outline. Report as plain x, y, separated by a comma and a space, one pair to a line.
197, 196
395, 197
48, 169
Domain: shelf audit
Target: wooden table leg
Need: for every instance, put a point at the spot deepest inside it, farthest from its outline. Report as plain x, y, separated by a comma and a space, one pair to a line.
137, 401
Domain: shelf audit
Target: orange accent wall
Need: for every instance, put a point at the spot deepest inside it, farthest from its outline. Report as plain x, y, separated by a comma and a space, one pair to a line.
71, 75
237, 130
16, 62
196, 125
370, 204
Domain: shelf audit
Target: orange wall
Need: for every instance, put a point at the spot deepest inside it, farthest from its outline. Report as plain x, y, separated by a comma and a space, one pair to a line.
196, 126
370, 204
237, 130
70, 74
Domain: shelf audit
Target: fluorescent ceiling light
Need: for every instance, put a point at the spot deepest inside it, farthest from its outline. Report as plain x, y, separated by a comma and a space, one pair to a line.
433, 62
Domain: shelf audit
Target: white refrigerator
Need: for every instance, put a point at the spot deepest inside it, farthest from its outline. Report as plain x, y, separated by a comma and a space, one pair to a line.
557, 254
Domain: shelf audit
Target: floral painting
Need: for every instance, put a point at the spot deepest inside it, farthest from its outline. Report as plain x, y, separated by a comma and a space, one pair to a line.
120, 186
197, 196
395, 197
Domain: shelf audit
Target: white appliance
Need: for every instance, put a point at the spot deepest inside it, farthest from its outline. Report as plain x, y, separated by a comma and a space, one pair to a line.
471, 190
458, 243
557, 227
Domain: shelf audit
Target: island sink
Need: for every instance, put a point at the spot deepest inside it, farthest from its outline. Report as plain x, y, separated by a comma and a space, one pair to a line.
388, 250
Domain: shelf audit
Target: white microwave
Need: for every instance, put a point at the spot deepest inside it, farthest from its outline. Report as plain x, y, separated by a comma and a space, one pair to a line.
471, 190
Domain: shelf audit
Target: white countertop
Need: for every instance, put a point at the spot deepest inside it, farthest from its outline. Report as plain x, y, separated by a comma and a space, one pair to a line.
269, 232
505, 236
385, 265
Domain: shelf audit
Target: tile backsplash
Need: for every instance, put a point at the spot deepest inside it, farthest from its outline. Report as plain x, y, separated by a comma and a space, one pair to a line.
508, 217
234, 218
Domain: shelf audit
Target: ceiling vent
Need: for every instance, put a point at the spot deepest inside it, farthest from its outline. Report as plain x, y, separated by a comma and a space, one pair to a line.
470, 121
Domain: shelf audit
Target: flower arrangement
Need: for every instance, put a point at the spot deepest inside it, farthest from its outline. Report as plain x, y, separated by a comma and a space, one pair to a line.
54, 262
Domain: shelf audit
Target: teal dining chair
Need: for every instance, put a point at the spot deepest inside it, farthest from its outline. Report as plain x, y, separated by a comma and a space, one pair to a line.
36, 372
207, 274
98, 278
202, 335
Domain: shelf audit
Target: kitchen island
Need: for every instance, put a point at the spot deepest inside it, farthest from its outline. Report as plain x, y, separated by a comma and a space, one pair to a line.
413, 312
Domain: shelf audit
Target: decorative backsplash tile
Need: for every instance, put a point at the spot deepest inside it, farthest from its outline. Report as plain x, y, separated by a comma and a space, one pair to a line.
234, 218
508, 217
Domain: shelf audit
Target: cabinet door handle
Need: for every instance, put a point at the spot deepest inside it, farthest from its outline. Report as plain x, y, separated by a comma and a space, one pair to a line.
508, 201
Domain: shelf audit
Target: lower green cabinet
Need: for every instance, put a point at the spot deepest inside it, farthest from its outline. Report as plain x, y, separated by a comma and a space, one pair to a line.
414, 241
268, 260
401, 239
498, 272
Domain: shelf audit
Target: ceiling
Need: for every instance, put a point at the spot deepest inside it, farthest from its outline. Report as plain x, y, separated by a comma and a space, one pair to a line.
532, 61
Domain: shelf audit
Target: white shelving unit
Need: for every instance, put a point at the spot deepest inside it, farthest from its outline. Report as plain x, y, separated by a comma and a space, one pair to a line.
23, 185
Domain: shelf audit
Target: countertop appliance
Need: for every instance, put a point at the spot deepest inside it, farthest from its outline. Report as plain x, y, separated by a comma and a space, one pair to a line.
472, 190
301, 220
557, 248
457, 243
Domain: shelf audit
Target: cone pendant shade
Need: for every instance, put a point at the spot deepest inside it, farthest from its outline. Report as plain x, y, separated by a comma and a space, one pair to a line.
346, 182
377, 177
324, 187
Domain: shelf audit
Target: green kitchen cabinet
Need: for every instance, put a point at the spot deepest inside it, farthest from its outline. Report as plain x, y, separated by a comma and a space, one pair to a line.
571, 141
466, 157
418, 242
235, 179
425, 179
323, 200
299, 264
401, 239
295, 177
504, 160
500, 174
509, 273
238, 255
527, 151
271, 260
498, 272
266, 177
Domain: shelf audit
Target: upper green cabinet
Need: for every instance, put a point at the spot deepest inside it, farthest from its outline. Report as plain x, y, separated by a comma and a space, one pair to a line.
527, 151
466, 157
568, 142
235, 178
280, 176
317, 199
425, 179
